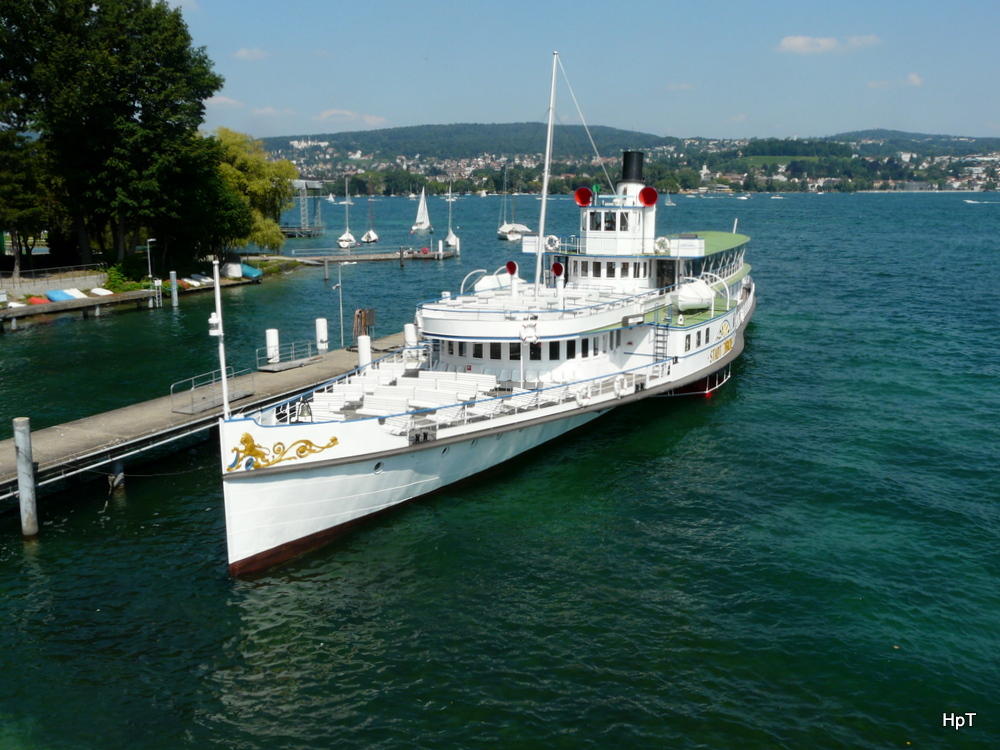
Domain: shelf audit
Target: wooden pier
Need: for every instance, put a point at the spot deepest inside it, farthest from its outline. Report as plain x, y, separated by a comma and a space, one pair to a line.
88, 445
86, 305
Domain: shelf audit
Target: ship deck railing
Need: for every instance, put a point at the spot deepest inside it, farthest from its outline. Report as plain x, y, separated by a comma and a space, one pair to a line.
500, 305
413, 402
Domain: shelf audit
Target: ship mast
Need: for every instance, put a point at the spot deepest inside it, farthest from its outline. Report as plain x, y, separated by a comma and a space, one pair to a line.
545, 178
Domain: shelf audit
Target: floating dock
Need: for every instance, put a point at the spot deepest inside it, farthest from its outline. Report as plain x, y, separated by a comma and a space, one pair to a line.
89, 445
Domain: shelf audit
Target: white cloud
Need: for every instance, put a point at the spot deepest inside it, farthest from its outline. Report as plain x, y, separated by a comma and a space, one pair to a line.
808, 45
344, 115
252, 54
223, 102
272, 112
914, 80
816, 45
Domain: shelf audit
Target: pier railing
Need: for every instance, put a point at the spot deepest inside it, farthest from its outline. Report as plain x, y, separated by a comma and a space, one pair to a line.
287, 356
41, 280
204, 392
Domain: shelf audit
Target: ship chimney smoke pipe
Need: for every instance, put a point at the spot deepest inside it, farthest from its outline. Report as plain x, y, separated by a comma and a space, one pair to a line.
632, 166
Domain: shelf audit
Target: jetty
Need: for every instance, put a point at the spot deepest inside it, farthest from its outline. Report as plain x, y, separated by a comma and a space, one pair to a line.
403, 254
86, 305
90, 445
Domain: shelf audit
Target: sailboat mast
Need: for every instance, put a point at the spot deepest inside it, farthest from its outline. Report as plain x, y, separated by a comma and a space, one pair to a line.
545, 178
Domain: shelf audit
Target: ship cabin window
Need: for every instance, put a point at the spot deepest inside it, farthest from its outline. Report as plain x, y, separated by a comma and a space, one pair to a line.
584, 268
477, 350
697, 339
609, 221
461, 348
515, 351
635, 269
496, 350
534, 352
576, 268
625, 270
707, 332
611, 269
585, 347
554, 351
623, 222
571, 349
597, 340
595, 221
687, 343
451, 348
597, 269
618, 339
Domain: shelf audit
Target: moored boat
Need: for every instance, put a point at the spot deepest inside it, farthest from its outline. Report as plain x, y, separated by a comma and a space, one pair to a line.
423, 222
614, 315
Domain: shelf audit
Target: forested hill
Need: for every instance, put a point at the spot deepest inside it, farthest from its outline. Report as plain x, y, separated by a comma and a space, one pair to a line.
880, 142
466, 141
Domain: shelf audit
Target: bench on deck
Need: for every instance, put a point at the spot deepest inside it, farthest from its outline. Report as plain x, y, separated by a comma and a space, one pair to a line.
383, 406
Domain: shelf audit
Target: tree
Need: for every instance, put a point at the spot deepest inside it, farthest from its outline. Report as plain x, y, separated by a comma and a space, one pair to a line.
114, 90
22, 202
264, 186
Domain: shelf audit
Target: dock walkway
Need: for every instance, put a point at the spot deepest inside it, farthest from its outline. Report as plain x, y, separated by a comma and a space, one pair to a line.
88, 444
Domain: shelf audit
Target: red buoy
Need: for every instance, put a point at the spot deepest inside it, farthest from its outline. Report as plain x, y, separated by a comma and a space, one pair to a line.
557, 269
583, 195
648, 196
511, 267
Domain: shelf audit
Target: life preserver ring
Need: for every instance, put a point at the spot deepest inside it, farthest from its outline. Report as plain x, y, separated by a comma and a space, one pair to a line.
619, 386
551, 243
583, 395
529, 333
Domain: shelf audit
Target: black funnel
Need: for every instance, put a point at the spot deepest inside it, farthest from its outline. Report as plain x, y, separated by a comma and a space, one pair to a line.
632, 166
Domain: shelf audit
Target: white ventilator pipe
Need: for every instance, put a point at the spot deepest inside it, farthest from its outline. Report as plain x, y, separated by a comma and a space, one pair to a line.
364, 351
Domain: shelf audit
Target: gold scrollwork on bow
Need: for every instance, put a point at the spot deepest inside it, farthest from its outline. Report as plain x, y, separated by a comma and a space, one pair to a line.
251, 455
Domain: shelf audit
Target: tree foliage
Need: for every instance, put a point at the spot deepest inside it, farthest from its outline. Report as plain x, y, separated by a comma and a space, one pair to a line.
263, 185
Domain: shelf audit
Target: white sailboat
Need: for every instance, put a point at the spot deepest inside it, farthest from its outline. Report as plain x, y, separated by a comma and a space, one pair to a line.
370, 237
509, 230
346, 239
423, 223
451, 240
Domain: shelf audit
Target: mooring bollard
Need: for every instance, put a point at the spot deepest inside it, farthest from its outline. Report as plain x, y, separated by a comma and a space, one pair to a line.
173, 288
273, 349
322, 339
25, 476
116, 479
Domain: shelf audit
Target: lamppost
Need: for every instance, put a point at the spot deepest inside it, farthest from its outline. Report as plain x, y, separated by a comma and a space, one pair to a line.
340, 294
149, 266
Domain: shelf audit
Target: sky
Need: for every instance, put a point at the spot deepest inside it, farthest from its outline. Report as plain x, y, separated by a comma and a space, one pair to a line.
710, 68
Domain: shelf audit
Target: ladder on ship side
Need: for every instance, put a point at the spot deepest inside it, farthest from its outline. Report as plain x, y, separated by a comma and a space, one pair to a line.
661, 335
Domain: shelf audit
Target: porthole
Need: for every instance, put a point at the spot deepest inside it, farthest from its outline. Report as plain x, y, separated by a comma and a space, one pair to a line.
378, 467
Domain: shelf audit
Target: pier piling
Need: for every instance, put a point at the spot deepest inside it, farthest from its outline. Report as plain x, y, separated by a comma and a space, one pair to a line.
25, 476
